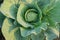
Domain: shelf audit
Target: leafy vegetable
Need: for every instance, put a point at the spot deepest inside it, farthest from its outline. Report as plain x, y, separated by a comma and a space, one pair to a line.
31, 19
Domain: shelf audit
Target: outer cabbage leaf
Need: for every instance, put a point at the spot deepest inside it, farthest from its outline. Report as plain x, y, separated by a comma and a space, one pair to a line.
38, 36
50, 34
44, 3
55, 12
35, 31
9, 8
10, 31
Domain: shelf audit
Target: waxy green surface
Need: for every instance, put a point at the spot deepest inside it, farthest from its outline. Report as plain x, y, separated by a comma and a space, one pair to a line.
31, 19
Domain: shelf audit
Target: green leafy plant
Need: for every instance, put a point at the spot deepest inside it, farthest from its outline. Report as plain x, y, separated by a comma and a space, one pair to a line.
31, 19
